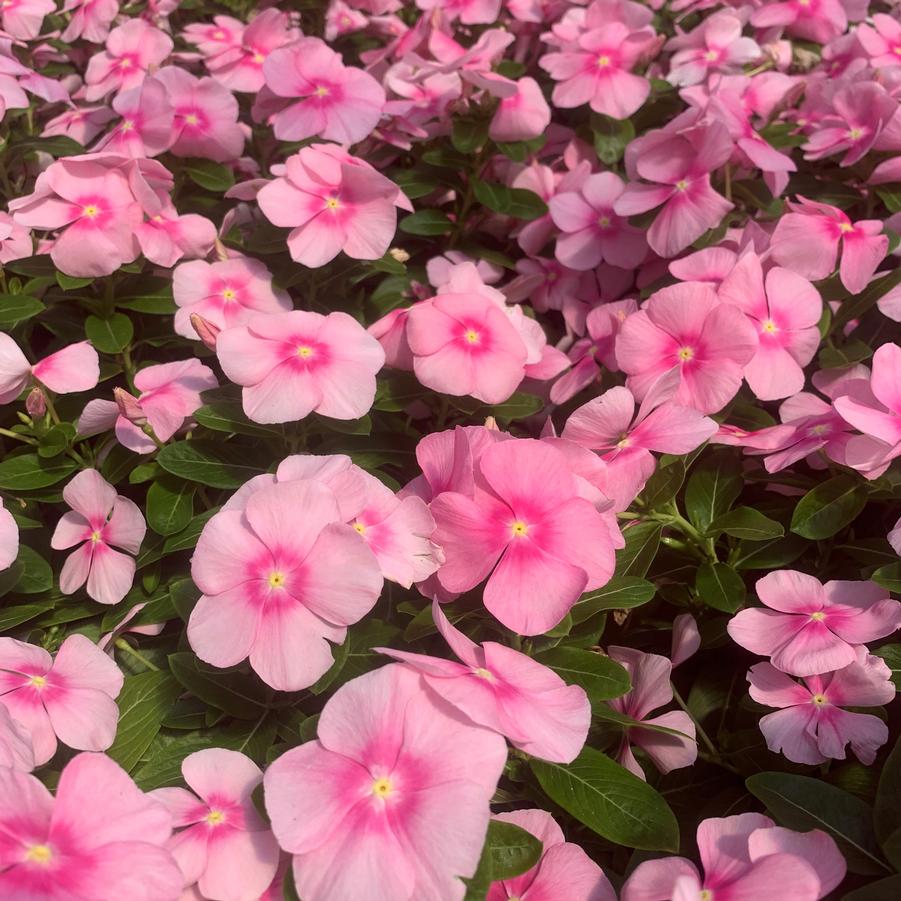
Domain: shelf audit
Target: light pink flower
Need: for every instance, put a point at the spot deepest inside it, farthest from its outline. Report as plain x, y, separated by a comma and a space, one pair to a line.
279, 578
132, 50
651, 688
592, 232
716, 45
226, 293
293, 364
332, 201
15, 240
16, 751
506, 691
224, 847
70, 698
685, 327
323, 97
807, 239
881, 40
215, 38
894, 537
521, 116
686, 638
74, 368
23, 18
815, 20
597, 69
810, 726
528, 531
744, 857
563, 873
101, 837
99, 521
469, 12
170, 393
811, 628
206, 116
393, 767
145, 125
82, 125
9, 538
90, 20
167, 237
785, 311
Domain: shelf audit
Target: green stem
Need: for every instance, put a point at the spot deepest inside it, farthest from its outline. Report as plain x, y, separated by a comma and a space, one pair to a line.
705, 738
123, 645
17, 436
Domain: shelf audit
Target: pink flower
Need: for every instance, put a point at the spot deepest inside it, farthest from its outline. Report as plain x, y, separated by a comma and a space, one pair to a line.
101, 837
145, 126
716, 45
685, 327
651, 688
90, 20
293, 364
393, 767
521, 116
15, 240
74, 368
166, 237
16, 751
9, 538
807, 239
279, 578
815, 20
785, 312
23, 18
332, 201
206, 116
881, 40
528, 531
810, 726
70, 698
811, 628
469, 12
597, 69
592, 232
563, 873
93, 205
686, 638
506, 691
324, 98
132, 50
678, 163
212, 39
608, 424
100, 520
744, 857
225, 846
225, 293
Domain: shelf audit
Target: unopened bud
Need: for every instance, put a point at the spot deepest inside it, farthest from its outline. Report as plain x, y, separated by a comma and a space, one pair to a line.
129, 407
399, 254
491, 423
36, 403
221, 251
205, 329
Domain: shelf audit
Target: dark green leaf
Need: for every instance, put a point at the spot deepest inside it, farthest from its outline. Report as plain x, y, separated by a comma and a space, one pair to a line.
663, 485
826, 509
642, 542
29, 471
207, 462
611, 136
600, 676
881, 890
10, 617
887, 807
891, 654
620, 593
212, 176
238, 695
720, 586
427, 223
513, 851
16, 308
889, 577
110, 335
712, 489
746, 523
37, 575
170, 505
467, 134
516, 202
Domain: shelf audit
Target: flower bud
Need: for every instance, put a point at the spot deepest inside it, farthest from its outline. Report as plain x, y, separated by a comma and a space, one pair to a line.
129, 407
36, 403
205, 329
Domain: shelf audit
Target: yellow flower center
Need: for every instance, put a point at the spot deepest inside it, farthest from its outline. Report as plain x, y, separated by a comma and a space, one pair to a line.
276, 579
91, 210
259, 58
706, 895
37, 682
472, 336
483, 673
215, 817
604, 221
624, 441
332, 203
359, 527
818, 617
519, 528
682, 185
897, 50
218, 35
819, 700
603, 61
711, 55
382, 788
846, 227
322, 91
229, 294
304, 352
192, 119
124, 63
127, 125
96, 536
685, 354
770, 327
39, 854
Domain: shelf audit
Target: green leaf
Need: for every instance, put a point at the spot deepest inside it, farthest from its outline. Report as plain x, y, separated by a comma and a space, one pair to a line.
170, 505
891, 654
746, 523
467, 134
187, 538
516, 202
642, 542
414, 182
145, 700
427, 223
803, 803
826, 509
620, 593
239, 695
712, 489
56, 440
110, 335
663, 485
228, 416
720, 586
212, 176
29, 471
152, 296
771, 554
888, 577
10, 617
37, 575
512, 850
68, 283
207, 462
886, 809
855, 307
610, 800
611, 136
16, 308
601, 677
851, 352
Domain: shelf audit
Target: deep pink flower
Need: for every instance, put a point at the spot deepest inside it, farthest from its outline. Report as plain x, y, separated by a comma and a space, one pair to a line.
90, 20
99, 521
563, 873
70, 698
810, 726
469, 12
506, 691
74, 368
685, 327
716, 45
132, 50
393, 767
807, 239
815, 20
279, 578
592, 232
745, 858
332, 201
528, 531
23, 18
811, 628
293, 364
651, 688
678, 165
225, 293
323, 97
521, 116
224, 845
214, 38
881, 40
144, 128
9, 538
101, 837
16, 751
